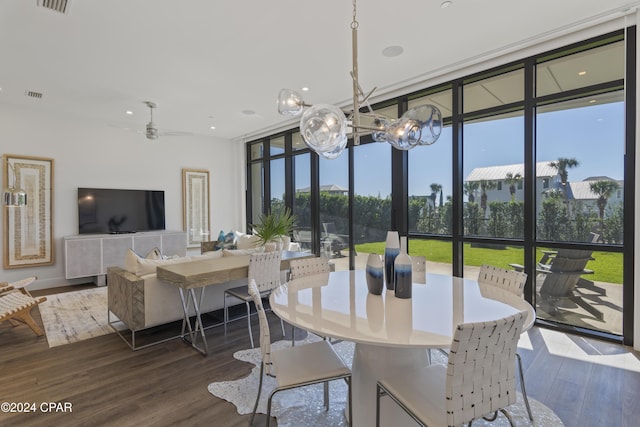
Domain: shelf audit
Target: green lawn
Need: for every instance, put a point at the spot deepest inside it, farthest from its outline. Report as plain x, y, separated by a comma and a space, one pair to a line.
607, 266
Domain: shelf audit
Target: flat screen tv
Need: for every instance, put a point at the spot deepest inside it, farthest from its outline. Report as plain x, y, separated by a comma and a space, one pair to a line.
102, 210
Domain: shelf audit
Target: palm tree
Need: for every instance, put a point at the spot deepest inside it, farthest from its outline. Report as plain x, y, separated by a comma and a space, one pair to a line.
484, 186
435, 188
604, 189
512, 180
562, 165
470, 188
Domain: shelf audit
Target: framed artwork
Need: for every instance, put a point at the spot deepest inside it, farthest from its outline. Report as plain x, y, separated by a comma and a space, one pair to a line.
195, 202
28, 230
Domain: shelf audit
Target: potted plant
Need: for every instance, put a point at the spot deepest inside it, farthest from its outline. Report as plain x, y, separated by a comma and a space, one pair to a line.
273, 226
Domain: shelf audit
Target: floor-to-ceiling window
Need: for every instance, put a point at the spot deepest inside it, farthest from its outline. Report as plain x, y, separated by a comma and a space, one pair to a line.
430, 188
529, 173
580, 141
334, 208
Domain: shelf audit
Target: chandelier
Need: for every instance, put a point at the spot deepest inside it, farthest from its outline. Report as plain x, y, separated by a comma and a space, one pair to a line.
324, 127
12, 196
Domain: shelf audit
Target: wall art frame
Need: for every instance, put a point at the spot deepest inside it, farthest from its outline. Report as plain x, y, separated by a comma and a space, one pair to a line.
28, 230
195, 202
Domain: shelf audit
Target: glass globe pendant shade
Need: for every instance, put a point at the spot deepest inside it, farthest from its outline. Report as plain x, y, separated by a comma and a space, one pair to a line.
430, 119
380, 135
14, 197
335, 153
290, 102
403, 133
324, 128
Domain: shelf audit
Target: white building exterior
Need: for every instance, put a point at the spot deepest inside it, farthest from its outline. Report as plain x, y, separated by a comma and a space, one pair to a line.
547, 178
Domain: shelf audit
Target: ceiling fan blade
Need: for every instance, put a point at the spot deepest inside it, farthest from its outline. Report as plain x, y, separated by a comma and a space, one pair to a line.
175, 133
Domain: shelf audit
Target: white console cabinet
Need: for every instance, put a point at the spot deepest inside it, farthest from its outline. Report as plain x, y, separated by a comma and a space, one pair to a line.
90, 255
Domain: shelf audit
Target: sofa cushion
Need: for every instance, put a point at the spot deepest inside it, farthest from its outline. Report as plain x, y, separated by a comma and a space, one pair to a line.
233, 252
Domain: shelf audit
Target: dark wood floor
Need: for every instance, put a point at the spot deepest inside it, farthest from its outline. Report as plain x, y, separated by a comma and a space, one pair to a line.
586, 382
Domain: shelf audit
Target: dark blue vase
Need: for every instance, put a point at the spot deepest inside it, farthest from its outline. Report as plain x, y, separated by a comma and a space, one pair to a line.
391, 251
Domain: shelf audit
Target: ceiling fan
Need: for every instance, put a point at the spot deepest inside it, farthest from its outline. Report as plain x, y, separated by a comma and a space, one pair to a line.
151, 129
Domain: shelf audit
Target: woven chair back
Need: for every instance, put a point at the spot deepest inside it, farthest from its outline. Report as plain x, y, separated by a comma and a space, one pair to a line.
264, 268
308, 266
509, 280
481, 368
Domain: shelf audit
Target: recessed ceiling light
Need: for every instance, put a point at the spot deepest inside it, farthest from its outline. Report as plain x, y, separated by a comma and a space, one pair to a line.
212, 128
305, 89
248, 112
391, 51
582, 73
129, 113
445, 4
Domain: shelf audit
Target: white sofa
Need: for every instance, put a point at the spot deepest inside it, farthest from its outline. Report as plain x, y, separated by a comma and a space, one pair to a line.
137, 298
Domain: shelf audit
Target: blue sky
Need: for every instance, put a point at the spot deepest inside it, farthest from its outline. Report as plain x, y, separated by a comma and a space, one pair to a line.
593, 135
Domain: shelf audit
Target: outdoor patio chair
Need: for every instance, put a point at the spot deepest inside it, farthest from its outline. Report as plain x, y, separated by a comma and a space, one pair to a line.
303, 238
332, 241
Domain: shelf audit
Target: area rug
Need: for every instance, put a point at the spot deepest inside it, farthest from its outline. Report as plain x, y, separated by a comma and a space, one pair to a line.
304, 405
75, 316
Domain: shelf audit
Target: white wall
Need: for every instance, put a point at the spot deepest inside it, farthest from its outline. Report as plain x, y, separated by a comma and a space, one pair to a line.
92, 154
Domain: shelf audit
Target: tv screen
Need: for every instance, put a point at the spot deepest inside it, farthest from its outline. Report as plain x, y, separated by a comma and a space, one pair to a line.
102, 210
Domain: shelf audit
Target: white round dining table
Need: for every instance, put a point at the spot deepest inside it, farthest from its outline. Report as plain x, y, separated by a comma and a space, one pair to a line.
390, 334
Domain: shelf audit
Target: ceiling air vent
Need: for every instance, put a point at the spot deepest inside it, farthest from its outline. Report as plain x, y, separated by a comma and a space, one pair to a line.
55, 5
32, 94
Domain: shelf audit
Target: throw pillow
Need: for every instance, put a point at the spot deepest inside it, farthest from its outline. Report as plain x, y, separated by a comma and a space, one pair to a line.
154, 254
148, 266
226, 241
246, 241
131, 259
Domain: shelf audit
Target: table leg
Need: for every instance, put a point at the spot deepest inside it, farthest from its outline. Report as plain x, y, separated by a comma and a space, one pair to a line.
371, 363
191, 336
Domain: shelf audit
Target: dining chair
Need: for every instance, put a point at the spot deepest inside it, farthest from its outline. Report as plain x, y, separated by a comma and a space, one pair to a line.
264, 269
299, 366
305, 267
478, 381
308, 266
512, 281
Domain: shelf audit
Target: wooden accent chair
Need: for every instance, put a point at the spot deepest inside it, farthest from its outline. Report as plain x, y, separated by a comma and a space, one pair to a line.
16, 304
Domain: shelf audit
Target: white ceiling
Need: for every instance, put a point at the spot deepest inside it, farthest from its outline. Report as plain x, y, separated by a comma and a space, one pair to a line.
205, 62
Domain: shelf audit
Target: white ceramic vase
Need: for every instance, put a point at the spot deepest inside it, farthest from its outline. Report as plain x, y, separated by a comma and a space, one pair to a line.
402, 271
375, 274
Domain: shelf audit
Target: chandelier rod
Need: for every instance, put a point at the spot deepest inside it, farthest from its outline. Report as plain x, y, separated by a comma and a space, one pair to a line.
354, 74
